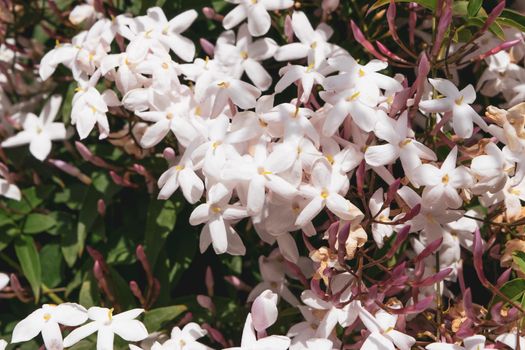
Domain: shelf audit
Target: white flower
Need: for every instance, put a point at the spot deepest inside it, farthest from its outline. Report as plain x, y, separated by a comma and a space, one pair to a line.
186, 338
245, 55
182, 174
3, 344
383, 333
324, 191
312, 43
40, 131
154, 32
217, 215
4, 280
242, 94
107, 325
308, 76
46, 320
441, 184
475, 342
169, 113
260, 173
7, 187
511, 340
259, 20
328, 312
500, 75
380, 231
458, 103
400, 144
273, 278
249, 339
89, 107
83, 12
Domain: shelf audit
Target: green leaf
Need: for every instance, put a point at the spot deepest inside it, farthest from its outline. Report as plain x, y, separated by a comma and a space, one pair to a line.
519, 259
153, 319
513, 19
473, 7
513, 290
30, 262
121, 289
89, 293
161, 219
52, 265
36, 223
429, 4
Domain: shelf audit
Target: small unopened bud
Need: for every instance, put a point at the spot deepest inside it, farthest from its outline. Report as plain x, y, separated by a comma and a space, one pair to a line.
101, 207
207, 46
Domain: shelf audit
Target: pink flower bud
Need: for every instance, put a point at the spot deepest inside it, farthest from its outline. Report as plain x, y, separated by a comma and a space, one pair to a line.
443, 25
494, 14
208, 281
401, 236
237, 283
71, 170
206, 302
207, 47
208, 12
360, 38
503, 46
101, 207
438, 277
288, 29
478, 258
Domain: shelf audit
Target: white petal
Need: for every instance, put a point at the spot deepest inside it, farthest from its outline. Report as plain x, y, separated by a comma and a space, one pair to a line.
264, 310
80, 333
259, 20
70, 314
40, 147
310, 211
376, 341
381, 154
52, 336
29, 327
234, 17
130, 330
105, 338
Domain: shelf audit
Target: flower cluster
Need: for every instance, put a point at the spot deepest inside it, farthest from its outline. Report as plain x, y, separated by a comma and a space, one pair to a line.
354, 160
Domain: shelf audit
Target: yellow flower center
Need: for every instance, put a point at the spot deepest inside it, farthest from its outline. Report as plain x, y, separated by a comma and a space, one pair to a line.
165, 66
223, 84
244, 55
262, 123
388, 330
110, 314
179, 167
263, 171
310, 67
330, 158
169, 116
215, 144
445, 179
198, 111
405, 142
216, 209
459, 101
361, 72
324, 194
47, 317
313, 45
354, 96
